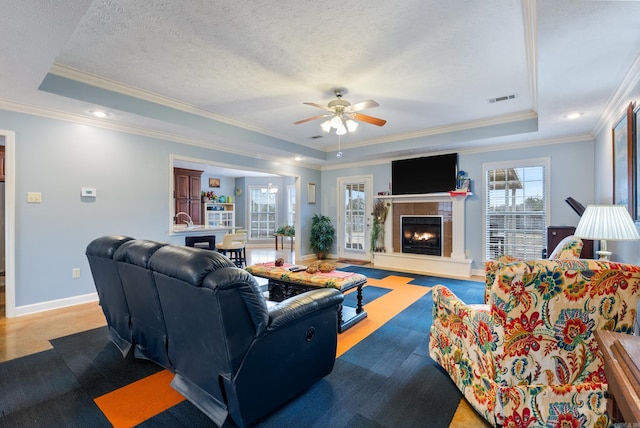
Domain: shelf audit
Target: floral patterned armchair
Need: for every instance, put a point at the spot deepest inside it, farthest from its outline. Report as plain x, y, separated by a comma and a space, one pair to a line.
528, 357
569, 248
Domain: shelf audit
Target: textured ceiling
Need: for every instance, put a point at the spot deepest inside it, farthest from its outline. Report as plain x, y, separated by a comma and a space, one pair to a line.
431, 65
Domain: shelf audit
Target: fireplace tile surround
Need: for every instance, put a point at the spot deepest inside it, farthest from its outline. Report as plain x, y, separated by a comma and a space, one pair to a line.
452, 208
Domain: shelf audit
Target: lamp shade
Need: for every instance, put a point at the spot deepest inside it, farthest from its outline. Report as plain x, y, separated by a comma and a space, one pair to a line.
606, 222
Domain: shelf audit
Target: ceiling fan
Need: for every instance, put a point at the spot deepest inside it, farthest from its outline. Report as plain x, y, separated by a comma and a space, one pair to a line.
343, 115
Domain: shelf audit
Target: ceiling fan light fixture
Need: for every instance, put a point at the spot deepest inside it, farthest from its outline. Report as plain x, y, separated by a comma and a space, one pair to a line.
343, 116
326, 126
336, 122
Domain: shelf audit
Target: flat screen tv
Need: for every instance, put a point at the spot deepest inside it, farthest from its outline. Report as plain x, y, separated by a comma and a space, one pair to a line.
428, 174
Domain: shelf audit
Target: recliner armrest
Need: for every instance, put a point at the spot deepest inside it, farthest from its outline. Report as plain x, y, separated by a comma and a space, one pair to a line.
298, 306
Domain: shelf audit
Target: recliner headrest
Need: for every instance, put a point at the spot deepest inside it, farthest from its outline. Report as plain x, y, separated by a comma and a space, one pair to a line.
106, 246
188, 264
137, 252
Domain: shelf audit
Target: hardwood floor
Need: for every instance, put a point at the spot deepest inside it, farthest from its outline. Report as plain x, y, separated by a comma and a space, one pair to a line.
28, 334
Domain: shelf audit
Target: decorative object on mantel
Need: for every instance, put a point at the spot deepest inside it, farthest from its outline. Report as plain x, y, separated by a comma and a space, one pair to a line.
463, 184
606, 222
380, 211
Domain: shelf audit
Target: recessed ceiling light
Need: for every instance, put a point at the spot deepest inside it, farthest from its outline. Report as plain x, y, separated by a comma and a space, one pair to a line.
572, 116
297, 158
99, 113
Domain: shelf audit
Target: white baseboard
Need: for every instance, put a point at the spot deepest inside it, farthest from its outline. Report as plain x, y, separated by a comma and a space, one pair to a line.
55, 304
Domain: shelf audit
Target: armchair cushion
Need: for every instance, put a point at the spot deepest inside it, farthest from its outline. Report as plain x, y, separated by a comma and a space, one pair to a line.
569, 248
530, 355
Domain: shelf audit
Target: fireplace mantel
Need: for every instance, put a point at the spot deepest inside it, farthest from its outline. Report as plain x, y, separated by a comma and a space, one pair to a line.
456, 265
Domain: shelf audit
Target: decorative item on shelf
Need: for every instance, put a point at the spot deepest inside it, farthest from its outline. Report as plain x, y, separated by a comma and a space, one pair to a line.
322, 235
222, 199
209, 196
463, 184
380, 211
606, 223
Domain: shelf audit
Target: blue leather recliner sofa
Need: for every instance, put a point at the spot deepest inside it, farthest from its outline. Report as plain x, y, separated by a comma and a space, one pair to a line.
232, 356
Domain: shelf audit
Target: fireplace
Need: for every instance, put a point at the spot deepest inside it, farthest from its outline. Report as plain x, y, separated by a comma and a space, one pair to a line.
422, 234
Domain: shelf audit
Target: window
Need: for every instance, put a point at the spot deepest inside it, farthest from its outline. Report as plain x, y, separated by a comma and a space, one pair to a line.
291, 205
263, 214
355, 216
516, 213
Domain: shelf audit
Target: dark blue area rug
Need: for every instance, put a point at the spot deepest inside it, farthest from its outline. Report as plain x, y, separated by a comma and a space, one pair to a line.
386, 380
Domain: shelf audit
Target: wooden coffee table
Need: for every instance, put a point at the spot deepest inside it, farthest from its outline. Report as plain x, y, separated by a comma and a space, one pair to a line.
284, 283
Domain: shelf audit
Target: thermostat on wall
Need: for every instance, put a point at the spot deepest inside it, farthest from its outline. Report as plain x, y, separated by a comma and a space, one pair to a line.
88, 192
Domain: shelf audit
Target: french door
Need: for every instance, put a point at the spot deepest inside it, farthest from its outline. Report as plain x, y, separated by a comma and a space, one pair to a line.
354, 217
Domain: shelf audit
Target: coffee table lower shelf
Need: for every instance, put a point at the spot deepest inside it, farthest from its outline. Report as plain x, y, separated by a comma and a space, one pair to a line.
347, 315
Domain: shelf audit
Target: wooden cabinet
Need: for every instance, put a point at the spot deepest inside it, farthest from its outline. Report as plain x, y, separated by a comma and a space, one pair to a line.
555, 234
217, 214
187, 190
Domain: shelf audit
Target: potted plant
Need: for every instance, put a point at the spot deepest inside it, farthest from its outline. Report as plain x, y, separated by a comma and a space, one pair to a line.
322, 234
380, 211
286, 230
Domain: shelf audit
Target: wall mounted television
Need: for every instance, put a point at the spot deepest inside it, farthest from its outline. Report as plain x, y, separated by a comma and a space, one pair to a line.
428, 174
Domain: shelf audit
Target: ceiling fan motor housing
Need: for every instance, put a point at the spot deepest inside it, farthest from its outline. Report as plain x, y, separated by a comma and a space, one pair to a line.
339, 103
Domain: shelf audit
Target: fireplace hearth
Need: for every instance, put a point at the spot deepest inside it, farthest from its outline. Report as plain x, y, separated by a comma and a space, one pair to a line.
422, 234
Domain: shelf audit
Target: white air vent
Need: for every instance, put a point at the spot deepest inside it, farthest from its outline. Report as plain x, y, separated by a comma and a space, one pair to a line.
504, 98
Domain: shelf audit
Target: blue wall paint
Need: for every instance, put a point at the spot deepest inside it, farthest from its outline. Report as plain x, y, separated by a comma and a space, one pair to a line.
571, 166
131, 174
623, 251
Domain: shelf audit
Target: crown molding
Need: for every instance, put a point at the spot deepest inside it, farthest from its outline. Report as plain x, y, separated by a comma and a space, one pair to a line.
483, 149
462, 126
167, 136
619, 99
530, 20
111, 85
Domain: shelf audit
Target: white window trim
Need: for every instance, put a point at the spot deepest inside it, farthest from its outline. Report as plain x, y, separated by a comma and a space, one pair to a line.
520, 163
251, 189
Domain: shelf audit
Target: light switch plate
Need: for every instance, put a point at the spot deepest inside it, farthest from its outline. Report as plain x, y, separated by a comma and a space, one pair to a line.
34, 197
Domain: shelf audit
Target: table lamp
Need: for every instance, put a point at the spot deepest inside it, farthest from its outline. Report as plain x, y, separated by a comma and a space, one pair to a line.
606, 223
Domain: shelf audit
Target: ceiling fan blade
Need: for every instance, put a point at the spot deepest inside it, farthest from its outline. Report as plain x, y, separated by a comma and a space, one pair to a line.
369, 119
310, 119
319, 106
361, 106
